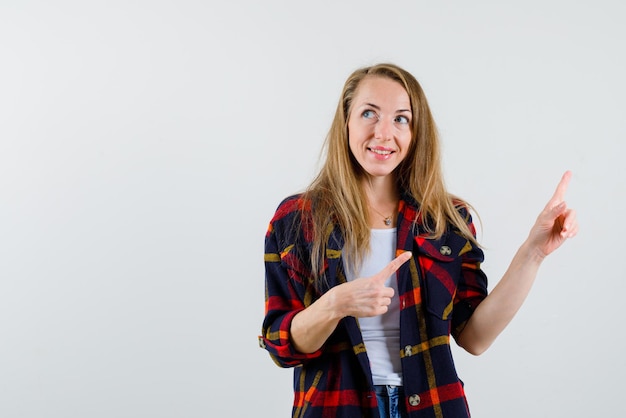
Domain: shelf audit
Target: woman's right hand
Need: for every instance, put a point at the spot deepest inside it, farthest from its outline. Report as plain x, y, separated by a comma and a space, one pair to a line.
366, 296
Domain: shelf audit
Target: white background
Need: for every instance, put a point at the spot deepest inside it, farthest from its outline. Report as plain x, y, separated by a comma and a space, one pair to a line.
144, 146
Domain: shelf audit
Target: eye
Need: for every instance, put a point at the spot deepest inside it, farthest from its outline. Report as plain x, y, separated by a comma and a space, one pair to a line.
401, 119
369, 114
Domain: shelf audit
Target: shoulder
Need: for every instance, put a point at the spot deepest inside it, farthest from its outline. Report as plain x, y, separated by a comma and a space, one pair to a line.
290, 207
449, 213
292, 215
462, 207
465, 224
291, 223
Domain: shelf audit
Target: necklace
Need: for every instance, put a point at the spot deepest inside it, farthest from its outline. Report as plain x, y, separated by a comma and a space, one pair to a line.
386, 219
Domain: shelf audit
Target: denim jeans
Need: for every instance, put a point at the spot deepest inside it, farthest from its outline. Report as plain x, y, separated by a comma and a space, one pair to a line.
390, 401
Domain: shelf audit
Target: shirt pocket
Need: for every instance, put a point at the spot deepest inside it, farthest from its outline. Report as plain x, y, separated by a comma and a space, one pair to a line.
440, 271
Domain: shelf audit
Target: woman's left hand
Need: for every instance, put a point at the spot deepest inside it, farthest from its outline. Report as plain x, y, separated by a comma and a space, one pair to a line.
556, 223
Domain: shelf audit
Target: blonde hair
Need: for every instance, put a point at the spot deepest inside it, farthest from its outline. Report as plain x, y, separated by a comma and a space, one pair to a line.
336, 195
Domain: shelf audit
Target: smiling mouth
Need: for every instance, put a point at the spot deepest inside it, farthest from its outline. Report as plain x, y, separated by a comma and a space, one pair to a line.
380, 151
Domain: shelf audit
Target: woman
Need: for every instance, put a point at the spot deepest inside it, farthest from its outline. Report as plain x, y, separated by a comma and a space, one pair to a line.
375, 265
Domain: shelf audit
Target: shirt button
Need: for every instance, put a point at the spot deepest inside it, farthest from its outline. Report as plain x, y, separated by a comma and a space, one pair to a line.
445, 250
261, 342
414, 400
408, 351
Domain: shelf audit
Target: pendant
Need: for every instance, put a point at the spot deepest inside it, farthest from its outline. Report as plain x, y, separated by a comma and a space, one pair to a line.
388, 221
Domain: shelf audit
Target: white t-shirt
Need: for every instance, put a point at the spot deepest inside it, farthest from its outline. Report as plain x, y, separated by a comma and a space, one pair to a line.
381, 334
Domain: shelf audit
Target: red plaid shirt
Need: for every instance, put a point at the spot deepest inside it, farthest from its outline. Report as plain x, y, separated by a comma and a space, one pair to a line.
439, 288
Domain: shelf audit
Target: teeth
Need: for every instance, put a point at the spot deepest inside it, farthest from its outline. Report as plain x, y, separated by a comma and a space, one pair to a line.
381, 152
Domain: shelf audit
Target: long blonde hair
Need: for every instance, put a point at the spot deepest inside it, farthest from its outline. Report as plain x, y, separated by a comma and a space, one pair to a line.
337, 197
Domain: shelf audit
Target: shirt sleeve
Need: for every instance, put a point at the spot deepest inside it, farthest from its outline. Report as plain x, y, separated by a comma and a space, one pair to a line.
472, 286
287, 292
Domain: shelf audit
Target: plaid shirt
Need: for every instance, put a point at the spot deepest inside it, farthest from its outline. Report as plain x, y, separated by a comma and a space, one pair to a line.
439, 288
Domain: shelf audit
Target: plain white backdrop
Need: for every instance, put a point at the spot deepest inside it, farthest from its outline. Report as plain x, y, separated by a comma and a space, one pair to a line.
144, 146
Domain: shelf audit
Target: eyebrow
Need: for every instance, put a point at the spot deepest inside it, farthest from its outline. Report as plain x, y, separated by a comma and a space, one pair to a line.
378, 108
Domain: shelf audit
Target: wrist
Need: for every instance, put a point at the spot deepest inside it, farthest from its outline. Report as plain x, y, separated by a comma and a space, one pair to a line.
332, 306
532, 253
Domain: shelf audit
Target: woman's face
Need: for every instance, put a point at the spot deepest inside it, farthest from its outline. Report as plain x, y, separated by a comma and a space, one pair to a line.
379, 125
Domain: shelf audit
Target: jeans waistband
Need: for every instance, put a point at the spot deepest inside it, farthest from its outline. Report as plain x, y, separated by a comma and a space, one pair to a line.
389, 390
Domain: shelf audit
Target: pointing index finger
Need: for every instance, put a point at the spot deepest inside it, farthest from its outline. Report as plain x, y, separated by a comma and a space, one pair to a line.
559, 193
394, 265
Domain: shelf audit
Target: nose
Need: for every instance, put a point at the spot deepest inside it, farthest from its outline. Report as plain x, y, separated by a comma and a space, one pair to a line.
383, 129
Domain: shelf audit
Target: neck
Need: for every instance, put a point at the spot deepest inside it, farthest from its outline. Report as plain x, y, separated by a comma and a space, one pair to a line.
381, 191
382, 200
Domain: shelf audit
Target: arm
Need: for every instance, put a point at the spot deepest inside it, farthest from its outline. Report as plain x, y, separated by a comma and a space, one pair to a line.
296, 326
555, 224
362, 297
